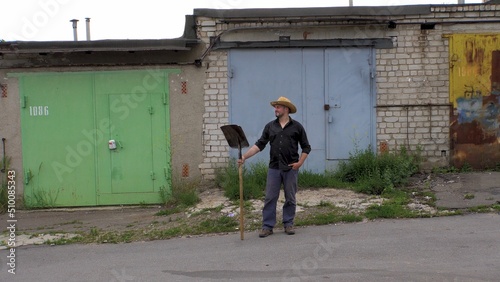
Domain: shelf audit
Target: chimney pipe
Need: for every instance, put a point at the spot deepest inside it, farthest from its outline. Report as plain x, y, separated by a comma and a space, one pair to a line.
75, 34
87, 22
351, 3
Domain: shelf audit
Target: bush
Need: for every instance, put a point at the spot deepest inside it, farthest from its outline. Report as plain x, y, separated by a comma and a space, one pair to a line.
254, 180
372, 174
183, 194
309, 179
365, 172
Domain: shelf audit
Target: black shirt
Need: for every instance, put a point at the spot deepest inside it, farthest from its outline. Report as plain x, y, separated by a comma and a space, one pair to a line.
284, 143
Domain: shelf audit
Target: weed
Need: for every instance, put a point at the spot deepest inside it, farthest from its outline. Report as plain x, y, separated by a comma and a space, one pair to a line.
216, 209
497, 167
4, 164
166, 234
333, 216
325, 204
164, 194
316, 180
466, 167
64, 241
469, 196
3, 198
254, 180
183, 194
484, 208
40, 197
446, 169
168, 211
94, 232
351, 218
372, 174
393, 207
481, 209
428, 197
221, 224
388, 210
364, 172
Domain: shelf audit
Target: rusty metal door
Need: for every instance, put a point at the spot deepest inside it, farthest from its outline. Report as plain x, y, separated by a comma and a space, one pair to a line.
475, 94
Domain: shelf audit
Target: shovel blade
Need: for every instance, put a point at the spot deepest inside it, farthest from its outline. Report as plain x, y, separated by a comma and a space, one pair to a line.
235, 136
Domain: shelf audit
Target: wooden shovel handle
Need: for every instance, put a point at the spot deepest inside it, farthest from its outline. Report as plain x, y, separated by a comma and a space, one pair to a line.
242, 227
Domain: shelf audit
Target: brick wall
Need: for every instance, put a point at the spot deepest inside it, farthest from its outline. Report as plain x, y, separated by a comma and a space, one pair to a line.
215, 149
413, 104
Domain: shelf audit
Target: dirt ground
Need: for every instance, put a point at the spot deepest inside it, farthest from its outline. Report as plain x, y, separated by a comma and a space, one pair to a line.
453, 191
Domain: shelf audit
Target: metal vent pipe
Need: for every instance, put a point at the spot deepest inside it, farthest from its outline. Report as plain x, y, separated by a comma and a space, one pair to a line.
87, 22
75, 34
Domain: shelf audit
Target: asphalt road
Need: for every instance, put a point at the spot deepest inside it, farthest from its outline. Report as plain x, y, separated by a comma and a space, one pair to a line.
457, 248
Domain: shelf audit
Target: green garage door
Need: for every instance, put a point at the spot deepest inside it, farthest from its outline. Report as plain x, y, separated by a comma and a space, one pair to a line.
68, 122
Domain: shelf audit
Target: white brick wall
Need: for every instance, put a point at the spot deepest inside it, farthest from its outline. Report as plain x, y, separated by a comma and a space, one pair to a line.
412, 83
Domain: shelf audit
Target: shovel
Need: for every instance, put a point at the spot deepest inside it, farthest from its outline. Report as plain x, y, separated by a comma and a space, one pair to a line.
236, 139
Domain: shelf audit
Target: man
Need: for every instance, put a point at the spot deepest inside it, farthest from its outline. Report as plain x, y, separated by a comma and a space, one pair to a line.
284, 135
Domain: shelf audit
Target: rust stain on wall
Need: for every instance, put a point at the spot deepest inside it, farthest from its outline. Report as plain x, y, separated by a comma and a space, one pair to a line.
495, 73
475, 94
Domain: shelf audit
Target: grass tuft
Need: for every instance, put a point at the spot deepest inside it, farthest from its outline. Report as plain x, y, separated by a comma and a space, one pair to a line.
372, 174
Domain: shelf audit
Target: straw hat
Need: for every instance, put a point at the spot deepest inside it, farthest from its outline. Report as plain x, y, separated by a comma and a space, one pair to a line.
285, 102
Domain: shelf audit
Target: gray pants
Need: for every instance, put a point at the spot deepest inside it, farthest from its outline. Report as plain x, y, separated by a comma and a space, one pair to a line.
275, 178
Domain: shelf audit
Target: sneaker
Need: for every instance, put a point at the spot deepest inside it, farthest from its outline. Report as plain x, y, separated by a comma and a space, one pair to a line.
289, 230
265, 232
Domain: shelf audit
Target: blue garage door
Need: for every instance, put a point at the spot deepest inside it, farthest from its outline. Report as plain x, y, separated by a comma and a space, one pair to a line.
332, 89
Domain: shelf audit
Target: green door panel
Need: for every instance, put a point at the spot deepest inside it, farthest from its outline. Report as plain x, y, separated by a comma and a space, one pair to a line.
131, 162
58, 147
138, 119
67, 120
159, 141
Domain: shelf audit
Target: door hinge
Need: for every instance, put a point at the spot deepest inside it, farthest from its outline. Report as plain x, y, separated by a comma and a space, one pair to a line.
151, 111
165, 171
230, 73
153, 175
164, 98
27, 176
24, 100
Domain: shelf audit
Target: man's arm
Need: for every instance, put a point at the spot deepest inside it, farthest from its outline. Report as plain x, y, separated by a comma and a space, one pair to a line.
252, 151
301, 161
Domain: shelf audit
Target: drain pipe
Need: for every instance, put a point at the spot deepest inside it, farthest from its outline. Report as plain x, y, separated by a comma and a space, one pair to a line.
87, 22
75, 34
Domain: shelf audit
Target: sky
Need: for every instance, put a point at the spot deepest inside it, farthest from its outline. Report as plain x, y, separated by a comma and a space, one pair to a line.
49, 20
